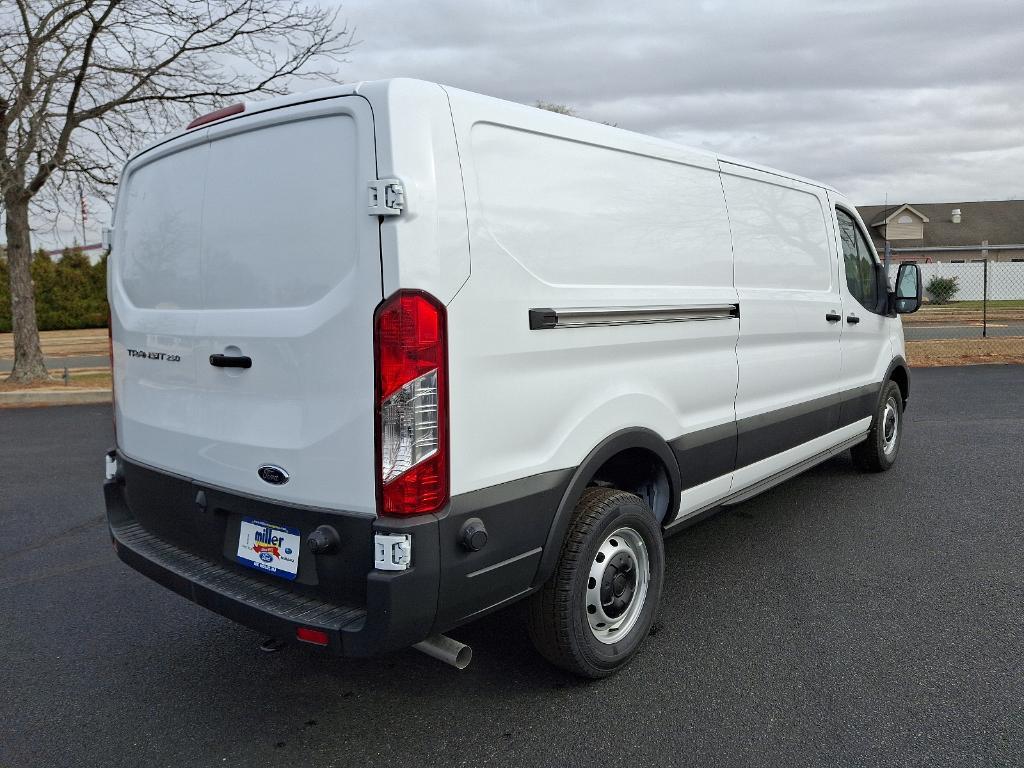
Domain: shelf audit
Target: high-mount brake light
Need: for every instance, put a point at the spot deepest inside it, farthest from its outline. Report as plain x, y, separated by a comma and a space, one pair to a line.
217, 114
411, 357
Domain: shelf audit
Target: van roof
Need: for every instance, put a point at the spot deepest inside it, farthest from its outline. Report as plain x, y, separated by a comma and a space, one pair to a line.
384, 87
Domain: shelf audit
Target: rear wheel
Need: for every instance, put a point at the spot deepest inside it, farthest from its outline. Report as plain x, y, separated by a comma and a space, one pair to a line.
595, 611
878, 453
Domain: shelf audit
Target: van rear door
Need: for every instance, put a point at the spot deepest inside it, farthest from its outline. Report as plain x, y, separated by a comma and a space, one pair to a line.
250, 240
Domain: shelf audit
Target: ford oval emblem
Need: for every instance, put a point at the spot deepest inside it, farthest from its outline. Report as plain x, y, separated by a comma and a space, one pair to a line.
272, 474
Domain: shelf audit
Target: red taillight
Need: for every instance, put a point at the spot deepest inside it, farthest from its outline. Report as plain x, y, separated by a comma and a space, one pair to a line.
217, 114
412, 404
310, 635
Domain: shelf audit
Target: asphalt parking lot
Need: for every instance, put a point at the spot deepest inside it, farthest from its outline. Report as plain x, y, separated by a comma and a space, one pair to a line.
841, 619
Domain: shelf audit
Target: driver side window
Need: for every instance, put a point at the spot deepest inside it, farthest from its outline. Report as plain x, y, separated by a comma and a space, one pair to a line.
860, 265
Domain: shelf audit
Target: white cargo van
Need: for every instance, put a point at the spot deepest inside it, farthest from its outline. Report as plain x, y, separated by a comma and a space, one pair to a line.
391, 356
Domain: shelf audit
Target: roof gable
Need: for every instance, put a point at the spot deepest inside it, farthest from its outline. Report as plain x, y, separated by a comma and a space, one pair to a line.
888, 215
1000, 222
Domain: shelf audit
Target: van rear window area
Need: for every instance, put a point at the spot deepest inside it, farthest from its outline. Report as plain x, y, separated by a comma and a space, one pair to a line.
261, 218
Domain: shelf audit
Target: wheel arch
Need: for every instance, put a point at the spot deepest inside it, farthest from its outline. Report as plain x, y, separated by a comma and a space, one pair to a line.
606, 463
899, 372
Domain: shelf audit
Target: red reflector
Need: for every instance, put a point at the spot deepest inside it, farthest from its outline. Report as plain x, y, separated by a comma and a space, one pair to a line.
217, 114
309, 635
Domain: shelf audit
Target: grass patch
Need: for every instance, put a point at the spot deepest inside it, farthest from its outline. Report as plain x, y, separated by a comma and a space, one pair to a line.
91, 341
955, 306
77, 379
967, 312
941, 352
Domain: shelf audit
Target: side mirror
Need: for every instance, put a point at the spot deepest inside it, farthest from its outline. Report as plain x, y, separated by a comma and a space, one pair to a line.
908, 289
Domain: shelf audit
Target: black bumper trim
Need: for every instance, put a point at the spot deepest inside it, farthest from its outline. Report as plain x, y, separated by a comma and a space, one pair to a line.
261, 606
161, 531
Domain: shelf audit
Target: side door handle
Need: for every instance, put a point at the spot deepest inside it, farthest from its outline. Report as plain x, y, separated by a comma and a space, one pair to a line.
852, 319
231, 361
833, 317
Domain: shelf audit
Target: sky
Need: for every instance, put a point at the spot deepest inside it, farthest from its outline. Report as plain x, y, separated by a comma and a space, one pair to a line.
907, 101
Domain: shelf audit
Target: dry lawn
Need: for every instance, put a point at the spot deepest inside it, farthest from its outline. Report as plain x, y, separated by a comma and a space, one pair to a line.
78, 378
954, 315
62, 343
939, 352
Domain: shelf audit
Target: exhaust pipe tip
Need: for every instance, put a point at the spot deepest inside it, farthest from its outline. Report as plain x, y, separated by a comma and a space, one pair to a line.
447, 650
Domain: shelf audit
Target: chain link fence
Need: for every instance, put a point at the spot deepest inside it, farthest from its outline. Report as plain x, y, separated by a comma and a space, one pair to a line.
973, 312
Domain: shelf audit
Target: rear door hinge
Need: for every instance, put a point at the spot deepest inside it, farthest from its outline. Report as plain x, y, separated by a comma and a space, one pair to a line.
386, 197
392, 551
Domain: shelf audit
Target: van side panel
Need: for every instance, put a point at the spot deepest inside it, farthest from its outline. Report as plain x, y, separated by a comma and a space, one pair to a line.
786, 279
577, 216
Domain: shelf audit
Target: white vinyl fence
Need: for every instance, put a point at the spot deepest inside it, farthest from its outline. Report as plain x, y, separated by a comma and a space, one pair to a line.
1005, 279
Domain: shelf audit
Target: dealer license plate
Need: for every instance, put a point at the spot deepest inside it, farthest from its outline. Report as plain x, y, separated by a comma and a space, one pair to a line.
269, 547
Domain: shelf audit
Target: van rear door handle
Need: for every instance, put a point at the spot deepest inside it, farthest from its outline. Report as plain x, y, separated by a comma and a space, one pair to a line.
230, 361
833, 317
852, 319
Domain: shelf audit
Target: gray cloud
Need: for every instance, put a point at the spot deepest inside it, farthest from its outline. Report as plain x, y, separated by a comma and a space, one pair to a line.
917, 100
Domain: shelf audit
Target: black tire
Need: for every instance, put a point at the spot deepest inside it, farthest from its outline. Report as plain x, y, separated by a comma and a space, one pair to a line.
559, 621
879, 452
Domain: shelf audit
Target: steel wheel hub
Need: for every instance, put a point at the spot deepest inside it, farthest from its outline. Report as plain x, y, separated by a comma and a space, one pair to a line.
890, 425
617, 585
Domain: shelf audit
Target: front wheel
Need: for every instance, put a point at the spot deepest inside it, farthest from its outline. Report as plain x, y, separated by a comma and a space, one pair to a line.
878, 453
595, 611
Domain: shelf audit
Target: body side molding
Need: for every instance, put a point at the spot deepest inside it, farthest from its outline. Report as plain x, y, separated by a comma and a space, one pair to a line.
763, 485
716, 451
766, 434
706, 454
587, 317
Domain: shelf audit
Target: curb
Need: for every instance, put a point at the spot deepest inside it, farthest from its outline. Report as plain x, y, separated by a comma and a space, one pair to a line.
28, 398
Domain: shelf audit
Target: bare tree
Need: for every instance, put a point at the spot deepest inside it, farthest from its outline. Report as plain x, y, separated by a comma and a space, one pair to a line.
84, 82
564, 109
551, 106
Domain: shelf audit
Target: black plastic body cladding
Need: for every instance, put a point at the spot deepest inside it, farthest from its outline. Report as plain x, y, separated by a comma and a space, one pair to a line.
184, 535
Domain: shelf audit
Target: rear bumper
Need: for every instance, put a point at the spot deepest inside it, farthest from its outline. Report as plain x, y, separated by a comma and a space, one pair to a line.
159, 530
262, 607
